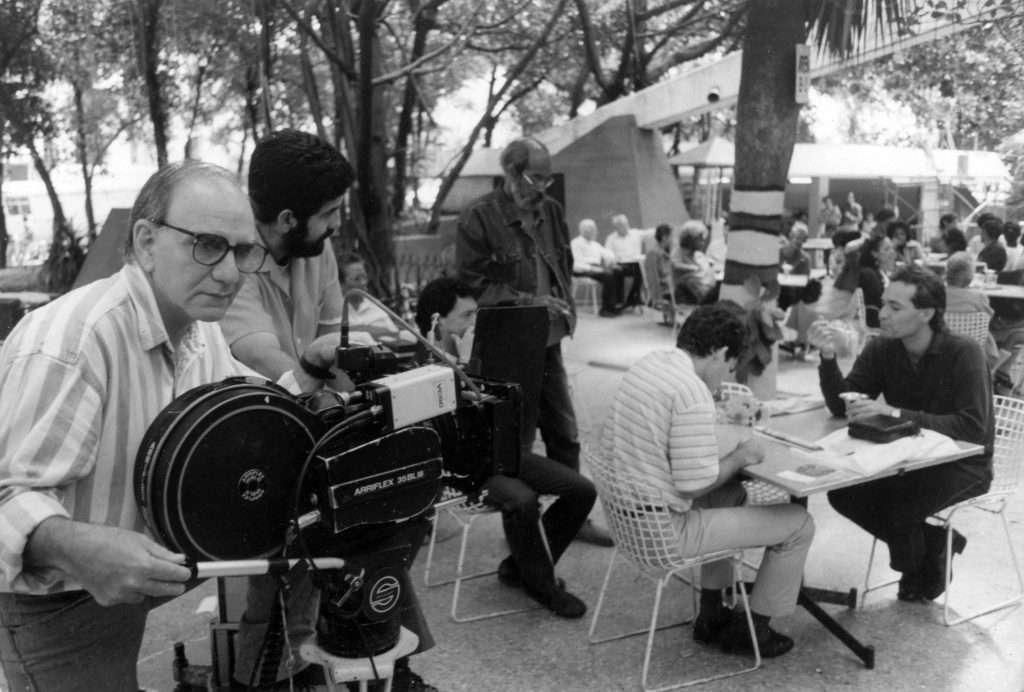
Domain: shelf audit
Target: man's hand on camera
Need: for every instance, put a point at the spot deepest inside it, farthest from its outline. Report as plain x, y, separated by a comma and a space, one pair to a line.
323, 351
112, 564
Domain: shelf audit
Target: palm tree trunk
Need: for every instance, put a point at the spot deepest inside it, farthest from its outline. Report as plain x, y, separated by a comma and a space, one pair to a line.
766, 128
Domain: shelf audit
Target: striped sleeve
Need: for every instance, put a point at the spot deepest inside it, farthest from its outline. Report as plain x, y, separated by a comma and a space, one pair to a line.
692, 447
49, 441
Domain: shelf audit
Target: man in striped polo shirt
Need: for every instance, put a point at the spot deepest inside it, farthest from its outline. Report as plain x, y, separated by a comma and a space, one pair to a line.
81, 380
661, 429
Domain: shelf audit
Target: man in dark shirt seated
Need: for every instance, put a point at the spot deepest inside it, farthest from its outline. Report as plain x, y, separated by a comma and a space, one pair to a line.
933, 377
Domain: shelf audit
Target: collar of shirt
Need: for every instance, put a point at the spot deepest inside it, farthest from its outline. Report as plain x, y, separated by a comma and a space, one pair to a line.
152, 332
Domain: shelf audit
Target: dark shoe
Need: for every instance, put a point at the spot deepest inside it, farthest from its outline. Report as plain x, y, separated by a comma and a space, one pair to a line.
404, 680
708, 630
910, 587
736, 639
607, 313
594, 534
559, 601
508, 573
933, 574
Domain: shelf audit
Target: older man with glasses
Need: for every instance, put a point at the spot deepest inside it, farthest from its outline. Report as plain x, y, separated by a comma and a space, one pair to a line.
81, 380
513, 247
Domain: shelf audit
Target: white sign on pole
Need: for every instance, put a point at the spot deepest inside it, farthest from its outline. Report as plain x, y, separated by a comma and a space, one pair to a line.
803, 72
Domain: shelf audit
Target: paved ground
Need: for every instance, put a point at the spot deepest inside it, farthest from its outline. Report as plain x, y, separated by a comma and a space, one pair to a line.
536, 651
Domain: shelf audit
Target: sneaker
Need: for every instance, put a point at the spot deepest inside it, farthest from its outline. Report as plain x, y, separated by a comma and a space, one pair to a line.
708, 630
594, 534
736, 639
405, 680
559, 601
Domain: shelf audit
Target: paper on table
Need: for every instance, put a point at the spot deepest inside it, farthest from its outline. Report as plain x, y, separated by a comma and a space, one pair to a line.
864, 457
795, 404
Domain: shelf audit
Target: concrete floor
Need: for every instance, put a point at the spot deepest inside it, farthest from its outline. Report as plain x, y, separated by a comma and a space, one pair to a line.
537, 651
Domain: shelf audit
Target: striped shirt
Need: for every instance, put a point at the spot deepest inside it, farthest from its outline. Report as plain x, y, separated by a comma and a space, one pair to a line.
661, 427
81, 379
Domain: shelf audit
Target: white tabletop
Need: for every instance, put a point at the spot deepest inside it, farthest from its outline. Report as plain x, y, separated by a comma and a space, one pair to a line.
798, 475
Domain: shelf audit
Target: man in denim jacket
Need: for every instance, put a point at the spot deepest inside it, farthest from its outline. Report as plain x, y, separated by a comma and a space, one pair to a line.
513, 247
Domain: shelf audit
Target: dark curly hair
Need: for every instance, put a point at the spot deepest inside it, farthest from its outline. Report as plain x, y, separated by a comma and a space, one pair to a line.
295, 170
709, 328
440, 296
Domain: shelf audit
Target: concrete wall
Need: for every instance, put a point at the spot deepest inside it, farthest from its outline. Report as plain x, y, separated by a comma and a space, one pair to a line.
619, 168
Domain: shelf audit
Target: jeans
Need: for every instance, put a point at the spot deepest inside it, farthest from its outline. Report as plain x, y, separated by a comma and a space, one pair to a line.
553, 414
517, 498
894, 509
67, 642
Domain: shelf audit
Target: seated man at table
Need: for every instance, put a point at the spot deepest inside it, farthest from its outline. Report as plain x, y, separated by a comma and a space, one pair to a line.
960, 297
592, 260
364, 316
661, 428
627, 244
694, 272
933, 377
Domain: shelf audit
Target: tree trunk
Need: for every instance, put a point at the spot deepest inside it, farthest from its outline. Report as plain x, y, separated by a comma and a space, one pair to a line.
148, 52
4, 238
766, 124
83, 161
371, 167
59, 220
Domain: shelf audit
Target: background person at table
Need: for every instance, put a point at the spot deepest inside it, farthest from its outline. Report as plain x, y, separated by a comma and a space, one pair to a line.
445, 313
594, 261
800, 301
693, 271
661, 429
853, 213
627, 244
1011, 234
658, 269
904, 242
875, 259
960, 297
936, 379
993, 254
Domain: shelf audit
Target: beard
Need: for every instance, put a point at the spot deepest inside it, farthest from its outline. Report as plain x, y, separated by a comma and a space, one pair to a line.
296, 244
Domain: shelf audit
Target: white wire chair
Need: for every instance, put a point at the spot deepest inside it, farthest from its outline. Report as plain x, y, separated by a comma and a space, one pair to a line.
590, 290
465, 511
973, 325
1006, 472
646, 534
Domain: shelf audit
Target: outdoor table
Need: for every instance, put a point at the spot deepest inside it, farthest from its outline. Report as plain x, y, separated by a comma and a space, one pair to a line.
779, 468
1010, 291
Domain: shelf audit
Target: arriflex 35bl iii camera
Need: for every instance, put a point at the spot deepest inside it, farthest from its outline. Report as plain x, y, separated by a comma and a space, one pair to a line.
244, 478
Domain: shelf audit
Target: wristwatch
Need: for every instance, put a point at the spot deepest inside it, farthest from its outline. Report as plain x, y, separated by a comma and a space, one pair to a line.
896, 413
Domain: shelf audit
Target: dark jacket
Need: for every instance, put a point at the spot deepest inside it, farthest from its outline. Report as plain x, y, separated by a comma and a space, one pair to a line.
496, 255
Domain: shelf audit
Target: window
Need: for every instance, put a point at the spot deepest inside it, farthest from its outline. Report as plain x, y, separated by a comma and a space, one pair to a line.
16, 172
17, 206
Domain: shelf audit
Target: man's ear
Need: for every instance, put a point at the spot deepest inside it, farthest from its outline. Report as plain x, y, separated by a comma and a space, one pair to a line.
143, 240
285, 221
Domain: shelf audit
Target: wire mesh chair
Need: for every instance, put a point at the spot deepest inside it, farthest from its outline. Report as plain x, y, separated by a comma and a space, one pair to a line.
466, 511
1006, 472
973, 325
586, 292
646, 535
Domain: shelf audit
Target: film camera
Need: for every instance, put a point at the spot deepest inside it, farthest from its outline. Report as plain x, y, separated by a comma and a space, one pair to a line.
245, 479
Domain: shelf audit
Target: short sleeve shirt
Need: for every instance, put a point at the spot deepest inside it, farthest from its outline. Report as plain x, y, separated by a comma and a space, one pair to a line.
294, 302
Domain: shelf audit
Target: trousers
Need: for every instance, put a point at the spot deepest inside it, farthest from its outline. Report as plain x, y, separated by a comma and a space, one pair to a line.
716, 522
518, 500
67, 642
553, 413
894, 509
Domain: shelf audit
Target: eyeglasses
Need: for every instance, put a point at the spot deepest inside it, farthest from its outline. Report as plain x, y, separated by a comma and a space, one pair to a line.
209, 249
538, 182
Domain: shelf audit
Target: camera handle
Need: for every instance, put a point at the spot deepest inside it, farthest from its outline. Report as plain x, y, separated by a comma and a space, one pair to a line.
251, 568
